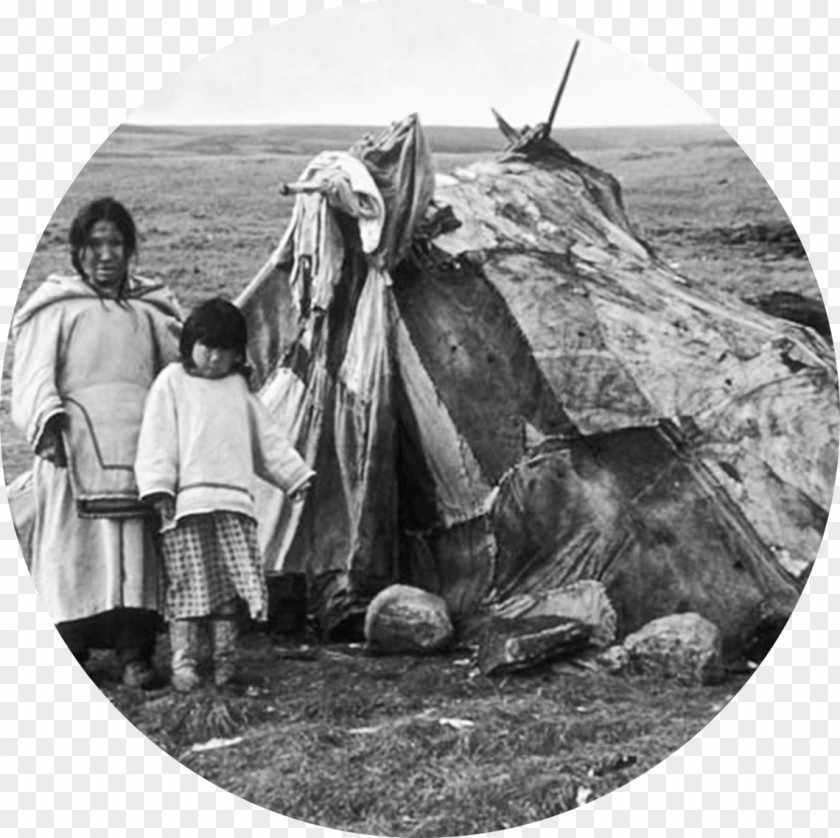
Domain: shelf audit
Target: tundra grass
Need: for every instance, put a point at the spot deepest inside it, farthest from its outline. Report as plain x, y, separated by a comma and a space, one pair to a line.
420, 746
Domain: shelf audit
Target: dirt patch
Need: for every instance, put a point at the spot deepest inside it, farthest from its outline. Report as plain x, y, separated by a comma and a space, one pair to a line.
761, 240
796, 308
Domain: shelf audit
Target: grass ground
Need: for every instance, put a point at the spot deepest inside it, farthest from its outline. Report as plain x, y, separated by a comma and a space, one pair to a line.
359, 743
419, 746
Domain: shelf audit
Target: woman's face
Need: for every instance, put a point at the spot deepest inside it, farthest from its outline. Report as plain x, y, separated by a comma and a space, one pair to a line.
212, 362
103, 258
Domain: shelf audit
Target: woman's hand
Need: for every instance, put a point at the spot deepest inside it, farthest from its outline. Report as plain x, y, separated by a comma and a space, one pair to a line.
51, 445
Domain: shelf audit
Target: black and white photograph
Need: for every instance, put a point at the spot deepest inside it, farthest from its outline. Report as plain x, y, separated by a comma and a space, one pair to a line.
419, 424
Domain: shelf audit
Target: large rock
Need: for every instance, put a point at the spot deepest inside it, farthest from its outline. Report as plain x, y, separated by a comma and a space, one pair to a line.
586, 601
686, 647
404, 619
509, 645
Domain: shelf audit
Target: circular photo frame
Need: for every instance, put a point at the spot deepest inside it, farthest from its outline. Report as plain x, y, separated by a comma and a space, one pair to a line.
419, 419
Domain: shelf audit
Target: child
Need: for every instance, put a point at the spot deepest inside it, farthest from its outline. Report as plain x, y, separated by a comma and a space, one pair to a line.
203, 439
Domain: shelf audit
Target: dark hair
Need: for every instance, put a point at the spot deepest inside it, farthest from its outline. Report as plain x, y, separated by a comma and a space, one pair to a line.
220, 324
101, 209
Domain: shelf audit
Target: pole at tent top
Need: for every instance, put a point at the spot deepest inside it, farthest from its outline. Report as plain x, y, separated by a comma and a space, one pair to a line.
561, 89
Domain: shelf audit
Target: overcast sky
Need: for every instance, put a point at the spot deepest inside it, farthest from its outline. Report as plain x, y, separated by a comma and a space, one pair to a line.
447, 60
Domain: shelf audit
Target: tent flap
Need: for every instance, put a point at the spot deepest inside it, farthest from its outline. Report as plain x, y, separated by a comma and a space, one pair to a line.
641, 514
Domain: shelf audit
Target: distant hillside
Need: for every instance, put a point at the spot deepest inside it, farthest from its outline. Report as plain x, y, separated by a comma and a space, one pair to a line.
308, 140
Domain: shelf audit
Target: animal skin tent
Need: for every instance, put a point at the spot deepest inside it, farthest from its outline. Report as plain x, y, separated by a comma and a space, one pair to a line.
503, 390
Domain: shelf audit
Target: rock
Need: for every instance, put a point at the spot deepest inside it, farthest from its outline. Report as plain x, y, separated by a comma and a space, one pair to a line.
508, 645
686, 647
403, 619
585, 601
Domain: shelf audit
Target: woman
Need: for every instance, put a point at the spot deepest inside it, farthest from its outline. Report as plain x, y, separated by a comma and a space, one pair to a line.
87, 349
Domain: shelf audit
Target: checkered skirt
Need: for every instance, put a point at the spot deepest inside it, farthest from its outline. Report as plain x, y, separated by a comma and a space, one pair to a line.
210, 560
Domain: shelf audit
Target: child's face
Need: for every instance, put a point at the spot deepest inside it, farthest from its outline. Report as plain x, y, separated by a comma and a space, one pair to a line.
211, 361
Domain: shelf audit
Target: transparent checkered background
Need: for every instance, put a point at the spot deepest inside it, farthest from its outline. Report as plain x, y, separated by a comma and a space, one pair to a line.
69, 762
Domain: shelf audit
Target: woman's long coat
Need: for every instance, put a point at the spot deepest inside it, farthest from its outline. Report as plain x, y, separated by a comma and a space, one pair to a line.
91, 361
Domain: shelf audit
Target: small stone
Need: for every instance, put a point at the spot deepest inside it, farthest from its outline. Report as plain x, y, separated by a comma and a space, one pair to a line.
686, 647
614, 660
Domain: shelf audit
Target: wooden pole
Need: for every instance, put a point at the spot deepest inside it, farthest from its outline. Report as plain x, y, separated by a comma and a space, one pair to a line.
561, 89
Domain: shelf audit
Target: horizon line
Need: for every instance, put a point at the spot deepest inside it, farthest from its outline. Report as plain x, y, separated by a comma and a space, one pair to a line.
130, 124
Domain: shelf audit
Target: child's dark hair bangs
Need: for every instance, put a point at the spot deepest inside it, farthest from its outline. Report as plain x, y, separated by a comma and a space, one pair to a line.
216, 336
216, 323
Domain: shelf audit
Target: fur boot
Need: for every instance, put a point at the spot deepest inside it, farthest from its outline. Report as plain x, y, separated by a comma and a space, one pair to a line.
183, 637
225, 637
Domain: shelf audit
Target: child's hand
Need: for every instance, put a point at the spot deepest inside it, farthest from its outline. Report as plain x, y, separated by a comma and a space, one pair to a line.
165, 507
299, 494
